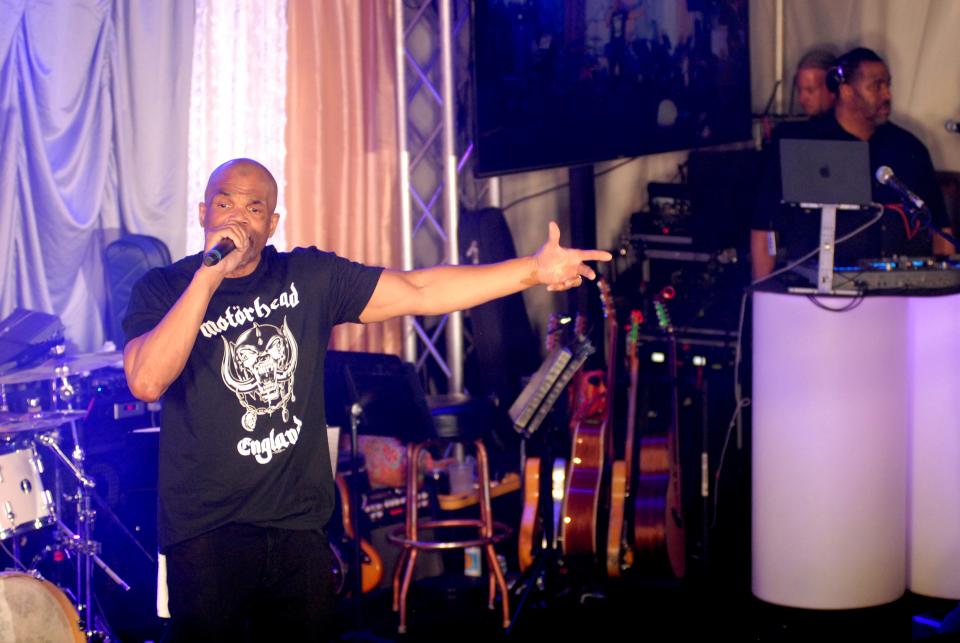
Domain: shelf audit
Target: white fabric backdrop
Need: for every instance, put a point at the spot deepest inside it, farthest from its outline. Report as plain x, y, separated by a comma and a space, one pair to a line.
238, 97
93, 127
95, 104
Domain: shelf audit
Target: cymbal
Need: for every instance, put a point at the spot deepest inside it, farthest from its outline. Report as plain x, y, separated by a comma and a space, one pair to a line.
20, 422
64, 365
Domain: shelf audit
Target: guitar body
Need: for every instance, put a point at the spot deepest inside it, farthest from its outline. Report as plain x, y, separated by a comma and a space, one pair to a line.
582, 499
371, 565
591, 445
659, 533
675, 533
528, 519
650, 503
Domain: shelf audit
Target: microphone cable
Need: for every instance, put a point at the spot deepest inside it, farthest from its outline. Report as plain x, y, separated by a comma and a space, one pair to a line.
742, 402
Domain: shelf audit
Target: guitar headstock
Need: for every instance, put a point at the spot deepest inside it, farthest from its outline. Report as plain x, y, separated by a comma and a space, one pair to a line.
606, 298
580, 325
609, 313
660, 308
633, 333
554, 331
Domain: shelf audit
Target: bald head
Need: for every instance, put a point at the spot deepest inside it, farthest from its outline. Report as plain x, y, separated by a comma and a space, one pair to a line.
247, 168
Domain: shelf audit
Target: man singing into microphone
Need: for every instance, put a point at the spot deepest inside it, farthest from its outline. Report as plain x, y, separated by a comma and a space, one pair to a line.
861, 81
235, 349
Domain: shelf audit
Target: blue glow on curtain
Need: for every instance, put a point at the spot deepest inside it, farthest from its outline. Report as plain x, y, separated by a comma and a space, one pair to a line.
94, 99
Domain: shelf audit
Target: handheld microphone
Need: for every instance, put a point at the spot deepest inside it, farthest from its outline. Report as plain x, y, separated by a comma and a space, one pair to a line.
885, 176
216, 254
952, 126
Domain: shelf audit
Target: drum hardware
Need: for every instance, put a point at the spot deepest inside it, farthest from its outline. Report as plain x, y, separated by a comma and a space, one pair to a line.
62, 382
63, 366
35, 403
15, 423
71, 542
105, 506
64, 391
33, 507
49, 440
59, 553
81, 542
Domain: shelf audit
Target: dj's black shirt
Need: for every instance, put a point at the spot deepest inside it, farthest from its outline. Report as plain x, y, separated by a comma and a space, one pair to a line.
799, 229
243, 436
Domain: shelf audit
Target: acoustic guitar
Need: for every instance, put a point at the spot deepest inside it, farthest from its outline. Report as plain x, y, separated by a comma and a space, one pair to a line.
590, 439
619, 552
659, 534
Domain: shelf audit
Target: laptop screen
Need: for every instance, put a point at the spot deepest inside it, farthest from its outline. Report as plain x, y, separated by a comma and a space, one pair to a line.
825, 172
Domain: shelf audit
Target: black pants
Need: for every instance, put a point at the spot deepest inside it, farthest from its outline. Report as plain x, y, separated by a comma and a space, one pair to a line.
243, 582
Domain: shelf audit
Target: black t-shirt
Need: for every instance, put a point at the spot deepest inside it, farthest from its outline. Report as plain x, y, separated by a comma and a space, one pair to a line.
243, 436
799, 229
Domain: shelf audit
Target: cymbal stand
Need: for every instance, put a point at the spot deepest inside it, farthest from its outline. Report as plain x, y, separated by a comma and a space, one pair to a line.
14, 555
81, 542
71, 541
49, 440
105, 507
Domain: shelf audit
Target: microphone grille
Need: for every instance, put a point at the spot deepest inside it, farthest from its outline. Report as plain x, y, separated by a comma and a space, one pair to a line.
884, 174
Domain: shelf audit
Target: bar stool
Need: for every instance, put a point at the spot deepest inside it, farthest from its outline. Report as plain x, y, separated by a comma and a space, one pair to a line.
457, 418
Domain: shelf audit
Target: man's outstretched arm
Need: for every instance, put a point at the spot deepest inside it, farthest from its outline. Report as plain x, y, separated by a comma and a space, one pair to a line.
443, 289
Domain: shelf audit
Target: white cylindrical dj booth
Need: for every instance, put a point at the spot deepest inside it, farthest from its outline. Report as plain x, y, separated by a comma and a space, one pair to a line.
856, 449
933, 518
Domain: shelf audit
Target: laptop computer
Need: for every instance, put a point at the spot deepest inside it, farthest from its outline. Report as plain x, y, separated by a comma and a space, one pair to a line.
816, 172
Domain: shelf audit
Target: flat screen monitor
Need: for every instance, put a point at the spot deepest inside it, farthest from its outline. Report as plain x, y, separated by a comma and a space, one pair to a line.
570, 82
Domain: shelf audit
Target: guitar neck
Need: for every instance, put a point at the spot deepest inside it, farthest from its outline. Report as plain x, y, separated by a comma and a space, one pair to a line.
610, 316
636, 318
631, 422
674, 400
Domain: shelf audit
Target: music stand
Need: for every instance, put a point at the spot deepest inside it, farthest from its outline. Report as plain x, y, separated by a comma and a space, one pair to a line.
829, 176
528, 411
378, 395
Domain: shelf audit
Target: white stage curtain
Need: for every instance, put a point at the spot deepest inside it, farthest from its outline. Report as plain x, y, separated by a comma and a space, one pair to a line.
238, 97
93, 104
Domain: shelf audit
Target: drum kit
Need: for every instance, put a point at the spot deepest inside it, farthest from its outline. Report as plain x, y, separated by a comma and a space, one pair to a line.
42, 409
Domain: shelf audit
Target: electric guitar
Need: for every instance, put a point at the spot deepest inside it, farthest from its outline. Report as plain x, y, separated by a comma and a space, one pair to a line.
530, 520
619, 552
371, 565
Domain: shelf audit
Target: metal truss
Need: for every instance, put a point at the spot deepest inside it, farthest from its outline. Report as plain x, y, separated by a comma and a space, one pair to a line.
433, 76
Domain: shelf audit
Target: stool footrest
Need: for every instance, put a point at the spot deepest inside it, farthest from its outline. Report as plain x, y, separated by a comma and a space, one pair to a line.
500, 531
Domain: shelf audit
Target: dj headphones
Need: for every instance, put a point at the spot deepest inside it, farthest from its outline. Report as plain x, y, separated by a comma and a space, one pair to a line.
835, 78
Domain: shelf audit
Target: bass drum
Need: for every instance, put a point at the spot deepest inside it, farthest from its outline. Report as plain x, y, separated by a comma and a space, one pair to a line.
32, 609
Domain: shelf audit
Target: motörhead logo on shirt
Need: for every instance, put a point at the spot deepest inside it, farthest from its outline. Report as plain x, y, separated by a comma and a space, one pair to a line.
259, 368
